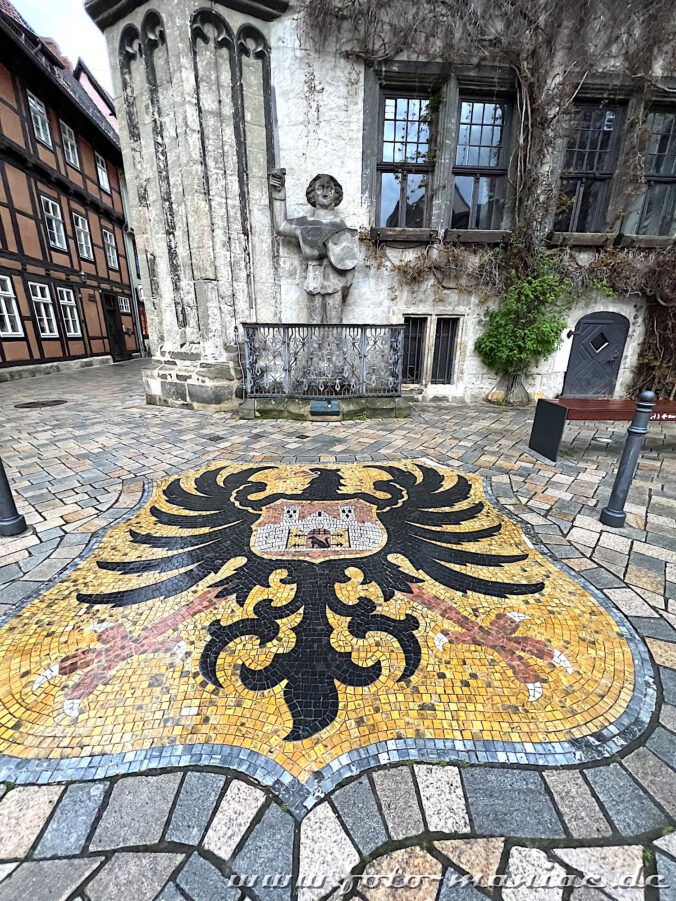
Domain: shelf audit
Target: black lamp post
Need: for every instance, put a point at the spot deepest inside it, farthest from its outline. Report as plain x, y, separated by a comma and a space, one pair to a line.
11, 522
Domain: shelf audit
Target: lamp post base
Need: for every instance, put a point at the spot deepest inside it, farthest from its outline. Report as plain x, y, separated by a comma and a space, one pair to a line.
14, 526
614, 518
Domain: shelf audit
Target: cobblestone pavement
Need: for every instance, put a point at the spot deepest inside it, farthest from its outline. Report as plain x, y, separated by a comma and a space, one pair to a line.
185, 828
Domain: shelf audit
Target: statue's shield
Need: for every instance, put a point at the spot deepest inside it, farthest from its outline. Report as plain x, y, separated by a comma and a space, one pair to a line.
342, 249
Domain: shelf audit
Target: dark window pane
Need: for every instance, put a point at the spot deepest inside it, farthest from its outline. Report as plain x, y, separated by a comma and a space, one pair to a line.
661, 149
490, 203
565, 205
462, 201
444, 351
591, 207
414, 343
659, 209
416, 185
590, 138
480, 143
389, 199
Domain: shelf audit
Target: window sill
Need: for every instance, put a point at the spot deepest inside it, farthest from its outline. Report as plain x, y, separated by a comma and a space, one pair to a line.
655, 241
582, 239
475, 236
404, 235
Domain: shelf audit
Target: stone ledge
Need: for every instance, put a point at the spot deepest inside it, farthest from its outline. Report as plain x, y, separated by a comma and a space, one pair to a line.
350, 408
10, 373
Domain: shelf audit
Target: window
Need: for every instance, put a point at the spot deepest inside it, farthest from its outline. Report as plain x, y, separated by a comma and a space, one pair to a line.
70, 150
40, 120
444, 350
123, 303
10, 321
83, 237
54, 219
102, 172
404, 160
414, 346
44, 310
591, 155
480, 170
658, 215
111, 249
71, 320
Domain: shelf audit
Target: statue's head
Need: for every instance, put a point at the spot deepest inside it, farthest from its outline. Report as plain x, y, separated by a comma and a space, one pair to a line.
324, 192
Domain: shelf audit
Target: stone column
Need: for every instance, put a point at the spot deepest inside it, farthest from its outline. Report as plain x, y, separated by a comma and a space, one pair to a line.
192, 90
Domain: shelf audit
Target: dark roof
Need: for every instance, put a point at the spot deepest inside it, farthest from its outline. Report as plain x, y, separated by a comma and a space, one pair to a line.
13, 25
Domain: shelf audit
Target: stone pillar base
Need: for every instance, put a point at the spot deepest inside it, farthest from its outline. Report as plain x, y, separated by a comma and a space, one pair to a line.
184, 380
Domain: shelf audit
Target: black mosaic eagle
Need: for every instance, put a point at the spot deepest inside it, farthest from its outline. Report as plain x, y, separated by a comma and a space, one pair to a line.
217, 521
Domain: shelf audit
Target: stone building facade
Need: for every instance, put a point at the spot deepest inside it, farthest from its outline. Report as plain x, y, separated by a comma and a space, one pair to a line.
210, 100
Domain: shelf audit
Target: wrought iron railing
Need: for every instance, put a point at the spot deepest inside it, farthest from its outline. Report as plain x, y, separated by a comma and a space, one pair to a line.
322, 360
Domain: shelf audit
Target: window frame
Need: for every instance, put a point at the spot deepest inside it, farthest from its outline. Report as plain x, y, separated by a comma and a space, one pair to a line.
405, 167
53, 217
102, 170
124, 304
9, 309
69, 139
585, 178
652, 179
478, 172
70, 305
79, 230
48, 302
109, 246
37, 108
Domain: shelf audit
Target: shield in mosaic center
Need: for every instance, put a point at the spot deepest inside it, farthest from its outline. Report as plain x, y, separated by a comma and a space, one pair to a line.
307, 621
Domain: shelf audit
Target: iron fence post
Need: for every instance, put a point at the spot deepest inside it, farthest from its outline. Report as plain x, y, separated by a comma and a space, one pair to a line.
362, 360
11, 521
286, 360
613, 514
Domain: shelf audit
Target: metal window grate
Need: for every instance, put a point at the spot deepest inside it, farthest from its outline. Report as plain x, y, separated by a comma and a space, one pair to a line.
444, 350
414, 346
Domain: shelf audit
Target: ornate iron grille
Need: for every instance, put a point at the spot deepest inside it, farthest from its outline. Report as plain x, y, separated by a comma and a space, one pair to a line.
323, 360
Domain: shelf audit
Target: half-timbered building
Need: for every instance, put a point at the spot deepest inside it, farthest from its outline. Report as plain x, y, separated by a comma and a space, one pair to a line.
66, 292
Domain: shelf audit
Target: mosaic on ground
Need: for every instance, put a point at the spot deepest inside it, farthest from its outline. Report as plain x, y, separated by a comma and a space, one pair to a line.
305, 622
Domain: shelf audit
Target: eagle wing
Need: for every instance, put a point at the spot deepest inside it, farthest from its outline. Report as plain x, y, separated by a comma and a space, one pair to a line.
213, 530
420, 516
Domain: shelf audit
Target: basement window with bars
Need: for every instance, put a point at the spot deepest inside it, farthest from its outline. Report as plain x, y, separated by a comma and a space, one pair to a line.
405, 160
444, 350
71, 319
658, 214
480, 170
414, 349
10, 320
54, 220
589, 165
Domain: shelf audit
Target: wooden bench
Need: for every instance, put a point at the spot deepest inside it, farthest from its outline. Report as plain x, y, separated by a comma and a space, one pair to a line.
551, 416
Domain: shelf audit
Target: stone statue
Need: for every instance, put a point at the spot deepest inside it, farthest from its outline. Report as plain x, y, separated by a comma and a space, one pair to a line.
328, 246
